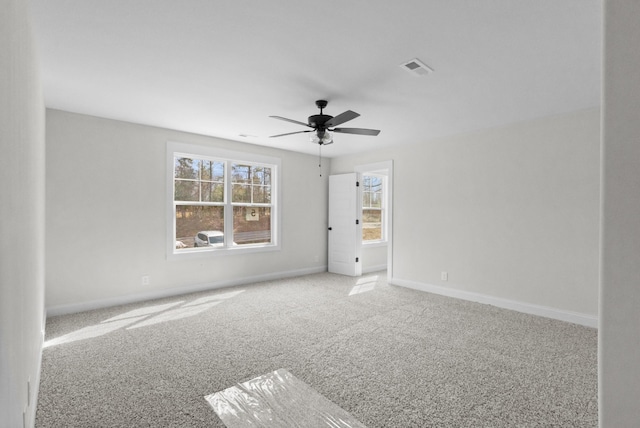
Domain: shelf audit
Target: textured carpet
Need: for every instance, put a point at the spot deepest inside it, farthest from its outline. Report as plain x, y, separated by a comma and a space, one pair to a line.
390, 356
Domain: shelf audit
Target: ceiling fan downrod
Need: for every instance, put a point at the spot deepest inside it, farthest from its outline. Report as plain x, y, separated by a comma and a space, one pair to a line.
321, 104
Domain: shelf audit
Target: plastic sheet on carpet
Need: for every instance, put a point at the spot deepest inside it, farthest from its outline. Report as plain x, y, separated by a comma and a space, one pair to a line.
279, 400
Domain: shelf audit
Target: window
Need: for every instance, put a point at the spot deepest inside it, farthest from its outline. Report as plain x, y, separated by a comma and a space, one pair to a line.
251, 201
221, 200
373, 213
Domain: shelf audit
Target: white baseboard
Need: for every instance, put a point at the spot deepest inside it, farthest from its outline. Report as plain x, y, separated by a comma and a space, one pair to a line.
35, 383
528, 308
176, 291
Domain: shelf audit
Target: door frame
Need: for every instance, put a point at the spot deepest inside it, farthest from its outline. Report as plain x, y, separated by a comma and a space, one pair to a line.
386, 168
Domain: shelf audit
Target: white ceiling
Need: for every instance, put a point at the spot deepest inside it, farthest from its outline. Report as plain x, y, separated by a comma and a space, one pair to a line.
220, 68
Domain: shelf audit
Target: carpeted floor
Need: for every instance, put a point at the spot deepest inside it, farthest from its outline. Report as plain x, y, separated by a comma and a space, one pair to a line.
390, 356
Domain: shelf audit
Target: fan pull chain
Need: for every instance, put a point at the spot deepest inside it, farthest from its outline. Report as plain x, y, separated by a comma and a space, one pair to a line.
320, 158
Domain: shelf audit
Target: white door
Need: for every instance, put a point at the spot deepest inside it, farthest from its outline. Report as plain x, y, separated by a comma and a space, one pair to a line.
345, 230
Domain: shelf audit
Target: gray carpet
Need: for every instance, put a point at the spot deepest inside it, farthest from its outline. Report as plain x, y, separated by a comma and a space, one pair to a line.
390, 356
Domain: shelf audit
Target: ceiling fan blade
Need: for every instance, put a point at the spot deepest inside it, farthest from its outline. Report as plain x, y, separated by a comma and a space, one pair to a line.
359, 131
290, 133
291, 120
341, 118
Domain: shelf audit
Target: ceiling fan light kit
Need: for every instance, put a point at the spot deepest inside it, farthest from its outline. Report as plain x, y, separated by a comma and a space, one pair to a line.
325, 139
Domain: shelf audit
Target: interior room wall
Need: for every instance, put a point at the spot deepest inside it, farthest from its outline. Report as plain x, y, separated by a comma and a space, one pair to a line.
511, 213
21, 217
619, 339
106, 216
374, 257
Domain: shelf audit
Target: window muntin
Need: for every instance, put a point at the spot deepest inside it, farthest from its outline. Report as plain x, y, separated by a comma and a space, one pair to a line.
230, 202
372, 208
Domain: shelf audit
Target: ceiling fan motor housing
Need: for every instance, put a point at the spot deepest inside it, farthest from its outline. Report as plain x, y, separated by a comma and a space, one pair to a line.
318, 120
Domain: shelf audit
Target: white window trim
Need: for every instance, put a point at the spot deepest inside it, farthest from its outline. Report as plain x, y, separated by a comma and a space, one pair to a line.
177, 148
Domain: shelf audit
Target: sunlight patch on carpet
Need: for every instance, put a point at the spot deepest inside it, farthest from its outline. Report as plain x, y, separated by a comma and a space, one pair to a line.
144, 317
363, 285
215, 297
91, 331
175, 314
279, 400
147, 310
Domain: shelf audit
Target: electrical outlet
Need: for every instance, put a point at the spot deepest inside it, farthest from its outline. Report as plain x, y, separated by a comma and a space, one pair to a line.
146, 280
444, 276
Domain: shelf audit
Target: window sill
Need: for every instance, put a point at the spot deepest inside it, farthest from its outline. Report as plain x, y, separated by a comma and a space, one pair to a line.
370, 244
187, 254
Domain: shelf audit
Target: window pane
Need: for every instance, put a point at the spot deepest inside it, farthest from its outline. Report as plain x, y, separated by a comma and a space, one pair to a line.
371, 225
186, 191
240, 173
262, 194
186, 168
376, 184
197, 225
366, 183
261, 175
251, 225
212, 192
211, 170
366, 199
241, 193
376, 200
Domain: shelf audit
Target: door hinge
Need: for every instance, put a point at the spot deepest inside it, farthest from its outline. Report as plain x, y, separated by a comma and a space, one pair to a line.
357, 184
357, 259
357, 221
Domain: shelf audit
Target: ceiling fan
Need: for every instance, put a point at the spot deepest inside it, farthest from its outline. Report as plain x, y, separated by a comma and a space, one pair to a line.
322, 124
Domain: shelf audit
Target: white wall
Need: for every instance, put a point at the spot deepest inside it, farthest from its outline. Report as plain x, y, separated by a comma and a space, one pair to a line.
21, 216
511, 213
106, 216
619, 340
374, 257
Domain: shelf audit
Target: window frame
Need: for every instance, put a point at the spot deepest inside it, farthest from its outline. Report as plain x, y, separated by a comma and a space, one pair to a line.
383, 209
229, 157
